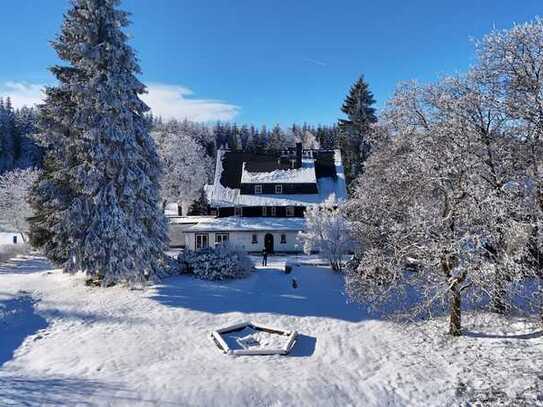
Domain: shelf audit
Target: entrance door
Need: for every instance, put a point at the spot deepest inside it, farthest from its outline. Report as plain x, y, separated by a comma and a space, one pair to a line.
268, 243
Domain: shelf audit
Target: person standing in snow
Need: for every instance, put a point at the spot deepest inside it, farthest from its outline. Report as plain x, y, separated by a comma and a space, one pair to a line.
265, 257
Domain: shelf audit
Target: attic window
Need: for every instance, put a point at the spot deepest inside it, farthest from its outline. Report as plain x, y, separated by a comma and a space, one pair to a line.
279, 189
258, 189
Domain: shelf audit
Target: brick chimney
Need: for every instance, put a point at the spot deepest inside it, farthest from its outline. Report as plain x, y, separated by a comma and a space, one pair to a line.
299, 149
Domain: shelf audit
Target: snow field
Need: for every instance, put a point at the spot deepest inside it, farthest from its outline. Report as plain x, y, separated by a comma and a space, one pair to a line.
116, 347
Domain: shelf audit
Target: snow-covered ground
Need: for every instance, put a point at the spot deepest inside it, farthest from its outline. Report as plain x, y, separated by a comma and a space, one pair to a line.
62, 343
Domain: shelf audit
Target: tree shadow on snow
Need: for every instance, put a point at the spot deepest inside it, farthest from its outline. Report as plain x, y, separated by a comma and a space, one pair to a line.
17, 321
19, 390
318, 293
475, 334
25, 265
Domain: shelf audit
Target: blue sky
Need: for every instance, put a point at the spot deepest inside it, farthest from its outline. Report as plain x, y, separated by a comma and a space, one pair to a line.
267, 62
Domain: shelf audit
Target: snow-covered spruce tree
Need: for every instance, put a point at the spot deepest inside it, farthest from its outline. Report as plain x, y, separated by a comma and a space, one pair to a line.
244, 135
354, 130
110, 220
277, 140
8, 144
15, 188
186, 166
327, 231
29, 152
512, 60
418, 212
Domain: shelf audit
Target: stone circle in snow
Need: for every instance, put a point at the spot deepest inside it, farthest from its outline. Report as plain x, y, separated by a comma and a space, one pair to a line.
248, 338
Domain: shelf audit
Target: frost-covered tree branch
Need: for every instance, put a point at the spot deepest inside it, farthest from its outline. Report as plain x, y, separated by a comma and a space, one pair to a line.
327, 231
15, 210
186, 166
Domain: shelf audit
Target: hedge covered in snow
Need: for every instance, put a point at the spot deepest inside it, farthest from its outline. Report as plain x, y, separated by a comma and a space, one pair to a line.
216, 263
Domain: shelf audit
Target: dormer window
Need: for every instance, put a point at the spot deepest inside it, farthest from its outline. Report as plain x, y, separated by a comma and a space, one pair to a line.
279, 189
258, 189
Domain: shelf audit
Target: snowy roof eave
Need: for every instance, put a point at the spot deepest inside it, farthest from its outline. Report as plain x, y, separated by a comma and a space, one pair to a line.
257, 224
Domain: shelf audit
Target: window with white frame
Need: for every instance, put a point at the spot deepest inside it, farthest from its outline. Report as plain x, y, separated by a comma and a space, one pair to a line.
273, 211
258, 189
202, 240
254, 239
221, 238
283, 238
279, 189
264, 211
290, 210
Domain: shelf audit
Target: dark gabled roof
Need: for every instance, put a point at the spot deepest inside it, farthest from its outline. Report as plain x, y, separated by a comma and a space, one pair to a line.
232, 164
225, 192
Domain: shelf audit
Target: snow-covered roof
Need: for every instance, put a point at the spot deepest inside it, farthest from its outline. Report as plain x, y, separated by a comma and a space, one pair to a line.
220, 196
304, 174
190, 219
235, 223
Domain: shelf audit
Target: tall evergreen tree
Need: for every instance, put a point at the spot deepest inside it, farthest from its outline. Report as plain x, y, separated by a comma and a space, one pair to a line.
8, 138
98, 198
244, 135
354, 131
277, 140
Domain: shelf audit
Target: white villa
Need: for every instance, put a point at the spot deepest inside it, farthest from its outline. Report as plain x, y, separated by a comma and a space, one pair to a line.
257, 201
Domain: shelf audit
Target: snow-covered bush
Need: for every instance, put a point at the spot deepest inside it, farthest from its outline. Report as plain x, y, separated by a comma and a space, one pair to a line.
218, 263
327, 231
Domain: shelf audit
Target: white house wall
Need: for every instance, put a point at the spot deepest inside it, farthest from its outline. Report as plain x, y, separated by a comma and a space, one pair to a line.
177, 233
10, 238
243, 239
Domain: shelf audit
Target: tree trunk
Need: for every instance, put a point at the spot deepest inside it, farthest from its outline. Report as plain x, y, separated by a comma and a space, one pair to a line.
541, 299
455, 323
498, 301
455, 308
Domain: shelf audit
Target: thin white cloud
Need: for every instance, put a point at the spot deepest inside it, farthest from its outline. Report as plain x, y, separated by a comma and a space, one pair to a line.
166, 101
22, 93
315, 62
174, 102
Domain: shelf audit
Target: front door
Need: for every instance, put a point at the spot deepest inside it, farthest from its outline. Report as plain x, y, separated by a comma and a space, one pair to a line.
268, 243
